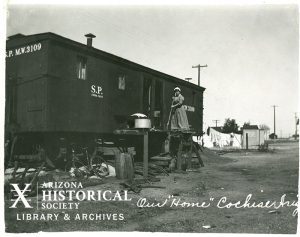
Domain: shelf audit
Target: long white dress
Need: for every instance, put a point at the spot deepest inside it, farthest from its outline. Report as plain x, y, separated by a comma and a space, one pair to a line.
179, 118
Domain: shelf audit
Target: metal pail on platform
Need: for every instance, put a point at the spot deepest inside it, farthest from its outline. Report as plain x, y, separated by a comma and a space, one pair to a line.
142, 123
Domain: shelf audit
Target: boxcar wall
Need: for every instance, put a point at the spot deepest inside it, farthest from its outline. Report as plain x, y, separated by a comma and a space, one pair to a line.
26, 84
88, 93
109, 92
56, 87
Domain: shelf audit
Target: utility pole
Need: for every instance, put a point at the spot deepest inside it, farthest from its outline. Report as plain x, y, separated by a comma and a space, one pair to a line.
274, 107
216, 121
199, 66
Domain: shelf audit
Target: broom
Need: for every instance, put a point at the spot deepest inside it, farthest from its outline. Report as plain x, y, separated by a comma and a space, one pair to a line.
170, 114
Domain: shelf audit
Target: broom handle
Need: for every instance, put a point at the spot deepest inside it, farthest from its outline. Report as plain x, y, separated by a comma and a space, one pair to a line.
169, 119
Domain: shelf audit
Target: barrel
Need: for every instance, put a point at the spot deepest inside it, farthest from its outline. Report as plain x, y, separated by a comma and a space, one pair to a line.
124, 166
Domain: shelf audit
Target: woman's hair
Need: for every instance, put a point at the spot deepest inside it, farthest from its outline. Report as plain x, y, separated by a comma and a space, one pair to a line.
177, 89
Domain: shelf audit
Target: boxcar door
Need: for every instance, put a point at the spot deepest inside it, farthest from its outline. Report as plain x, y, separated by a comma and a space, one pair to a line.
158, 104
153, 101
147, 97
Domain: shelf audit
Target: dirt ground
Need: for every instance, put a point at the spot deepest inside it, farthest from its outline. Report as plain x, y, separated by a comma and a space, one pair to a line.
265, 175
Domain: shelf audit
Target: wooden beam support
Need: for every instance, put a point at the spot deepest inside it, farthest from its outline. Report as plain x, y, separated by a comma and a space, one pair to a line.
145, 155
189, 162
179, 161
198, 155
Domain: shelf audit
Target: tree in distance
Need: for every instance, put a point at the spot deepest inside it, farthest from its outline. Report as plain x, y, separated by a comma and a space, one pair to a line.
264, 127
230, 126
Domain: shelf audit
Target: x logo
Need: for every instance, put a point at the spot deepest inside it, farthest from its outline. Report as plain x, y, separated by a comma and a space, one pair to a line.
21, 196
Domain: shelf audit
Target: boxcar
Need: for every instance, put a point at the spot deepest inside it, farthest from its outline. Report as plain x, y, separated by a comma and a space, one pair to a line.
56, 87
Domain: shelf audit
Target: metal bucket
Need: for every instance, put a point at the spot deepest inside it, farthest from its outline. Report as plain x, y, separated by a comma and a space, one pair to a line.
142, 123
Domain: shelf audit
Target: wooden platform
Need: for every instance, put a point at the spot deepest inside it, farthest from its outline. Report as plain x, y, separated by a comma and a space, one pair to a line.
186, 142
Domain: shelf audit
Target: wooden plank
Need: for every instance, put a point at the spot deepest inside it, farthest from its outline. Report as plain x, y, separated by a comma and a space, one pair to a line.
161, 163
32, 182
198, 155
145, 155
161, 158
179, 163
16, 166
152, 186
189, 162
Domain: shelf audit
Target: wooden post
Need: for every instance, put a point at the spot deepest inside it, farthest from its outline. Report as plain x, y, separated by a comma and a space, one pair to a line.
198, 155
39, 169
189, 165
179, 154
16, 166
145, 155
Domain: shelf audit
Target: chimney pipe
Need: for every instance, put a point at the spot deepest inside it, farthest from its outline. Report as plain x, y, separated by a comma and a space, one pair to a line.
89, 41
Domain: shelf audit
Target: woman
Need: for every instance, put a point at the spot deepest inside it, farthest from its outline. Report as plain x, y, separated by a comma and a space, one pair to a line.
179, 119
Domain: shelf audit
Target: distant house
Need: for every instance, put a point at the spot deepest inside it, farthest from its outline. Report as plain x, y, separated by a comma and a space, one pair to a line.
252, 136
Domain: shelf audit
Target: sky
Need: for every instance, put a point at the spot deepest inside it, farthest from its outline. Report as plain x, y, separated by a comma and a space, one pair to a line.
251, 50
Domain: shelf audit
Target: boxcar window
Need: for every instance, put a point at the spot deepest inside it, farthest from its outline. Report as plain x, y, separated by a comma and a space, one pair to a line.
122, 82
81, 67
